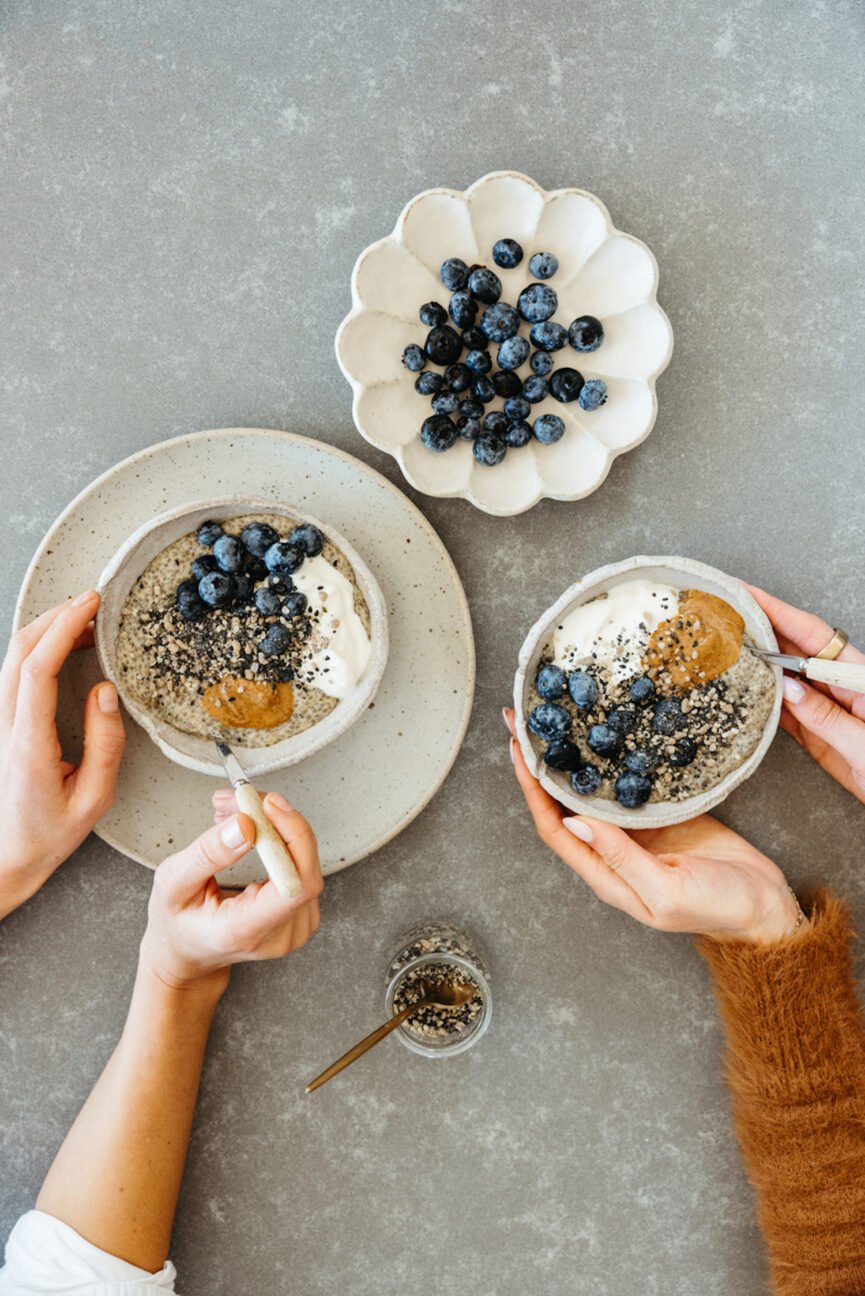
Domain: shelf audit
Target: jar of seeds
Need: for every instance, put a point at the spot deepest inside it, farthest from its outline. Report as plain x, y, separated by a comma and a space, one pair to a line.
431, 954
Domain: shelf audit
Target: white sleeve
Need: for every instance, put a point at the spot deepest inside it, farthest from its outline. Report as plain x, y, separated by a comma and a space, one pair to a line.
44, 1255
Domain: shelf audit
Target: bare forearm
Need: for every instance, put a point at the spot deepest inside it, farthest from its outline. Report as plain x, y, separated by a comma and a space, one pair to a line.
116, 1178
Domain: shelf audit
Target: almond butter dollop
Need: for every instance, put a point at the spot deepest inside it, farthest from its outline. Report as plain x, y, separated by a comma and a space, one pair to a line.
698, 644
246, 704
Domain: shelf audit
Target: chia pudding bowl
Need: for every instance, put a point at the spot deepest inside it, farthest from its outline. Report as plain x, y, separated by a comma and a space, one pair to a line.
639, 697
244, 620
439, 953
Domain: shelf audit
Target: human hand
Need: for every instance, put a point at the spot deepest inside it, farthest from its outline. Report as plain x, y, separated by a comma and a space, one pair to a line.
51, 803
828, 722
195, 930
693, 877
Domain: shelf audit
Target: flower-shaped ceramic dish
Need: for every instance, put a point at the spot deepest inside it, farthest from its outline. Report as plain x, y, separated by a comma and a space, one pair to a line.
191, 750
682, 573
602, 272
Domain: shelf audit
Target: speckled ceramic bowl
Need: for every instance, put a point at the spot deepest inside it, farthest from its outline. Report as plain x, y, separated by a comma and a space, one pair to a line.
683, 573
190, 750
602, 272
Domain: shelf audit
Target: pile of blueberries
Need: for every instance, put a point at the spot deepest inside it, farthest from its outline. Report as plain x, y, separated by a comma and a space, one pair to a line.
460, 393
551, 722
231, 575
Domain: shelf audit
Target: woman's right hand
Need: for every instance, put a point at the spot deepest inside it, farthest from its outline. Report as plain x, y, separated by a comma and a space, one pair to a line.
196, 931
830, 723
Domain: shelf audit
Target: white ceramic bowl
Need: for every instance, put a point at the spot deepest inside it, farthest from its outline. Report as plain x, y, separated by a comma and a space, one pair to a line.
198, 753
682, 573
602, 272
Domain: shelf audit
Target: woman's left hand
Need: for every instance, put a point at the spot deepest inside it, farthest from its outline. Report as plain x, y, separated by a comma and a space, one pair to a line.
693, 877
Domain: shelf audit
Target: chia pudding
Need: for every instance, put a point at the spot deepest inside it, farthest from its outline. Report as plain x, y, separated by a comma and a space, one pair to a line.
649, 693
251, 629
439, 954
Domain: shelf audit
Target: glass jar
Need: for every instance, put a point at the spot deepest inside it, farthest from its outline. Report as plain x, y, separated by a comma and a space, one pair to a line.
434, 945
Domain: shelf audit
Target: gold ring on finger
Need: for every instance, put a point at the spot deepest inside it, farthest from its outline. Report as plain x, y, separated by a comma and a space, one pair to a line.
836, 644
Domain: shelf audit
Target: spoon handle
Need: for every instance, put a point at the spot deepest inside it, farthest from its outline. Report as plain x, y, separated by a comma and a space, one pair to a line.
364, 1046
837, 674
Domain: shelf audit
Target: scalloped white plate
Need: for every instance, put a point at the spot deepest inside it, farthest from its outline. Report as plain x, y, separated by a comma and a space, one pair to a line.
602, 272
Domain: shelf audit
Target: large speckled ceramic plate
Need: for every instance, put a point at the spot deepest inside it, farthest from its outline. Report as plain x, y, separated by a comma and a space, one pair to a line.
371, 782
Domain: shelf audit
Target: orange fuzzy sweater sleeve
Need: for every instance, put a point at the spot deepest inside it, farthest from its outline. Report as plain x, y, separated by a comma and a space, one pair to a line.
796, 1066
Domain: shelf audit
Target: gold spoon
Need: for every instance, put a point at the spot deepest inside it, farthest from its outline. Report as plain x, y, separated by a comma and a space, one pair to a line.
433, 996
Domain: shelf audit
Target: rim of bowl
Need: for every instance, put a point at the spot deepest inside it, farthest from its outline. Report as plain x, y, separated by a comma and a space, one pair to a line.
289, 751
655, 814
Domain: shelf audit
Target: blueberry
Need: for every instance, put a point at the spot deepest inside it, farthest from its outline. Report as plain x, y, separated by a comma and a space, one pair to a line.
474, 340
189, 601
548, 721
472, 409
255, 568
413, 358
562, 754
308, 539
243, 587
454, 273
267, 602
535, 389
469, 428
479, 361
485, 285
586, 333
258, 537
438, 432
537, 302
686, 750
548, 336
583, 689
201, 566
444, 403
484, 389
433, 314
276, 641
517, 407
507, 383
587, 780
458, 377
633, 790
507, 253
593, 394
605, 740
295, 605
543, 265
641, 762
495, 422
541, 363
513, 353
622, 718
216, 589
548, 428
500, 322
228, 552
550, 682
489, 450
283, 558
443, 345
566, 384
428, 383
463, 309
642, 690
209, 533
518, 433
667, 717
280, 584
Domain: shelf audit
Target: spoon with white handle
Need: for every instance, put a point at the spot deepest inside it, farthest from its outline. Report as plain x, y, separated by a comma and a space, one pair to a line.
837, 674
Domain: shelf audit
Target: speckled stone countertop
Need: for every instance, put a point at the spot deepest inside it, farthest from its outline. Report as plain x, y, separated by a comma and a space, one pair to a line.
185, 189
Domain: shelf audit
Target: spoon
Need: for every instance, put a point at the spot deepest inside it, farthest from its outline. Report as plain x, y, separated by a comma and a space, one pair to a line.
433, 996
836, 674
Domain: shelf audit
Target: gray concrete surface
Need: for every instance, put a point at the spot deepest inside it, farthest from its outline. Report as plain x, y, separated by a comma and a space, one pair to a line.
185, 189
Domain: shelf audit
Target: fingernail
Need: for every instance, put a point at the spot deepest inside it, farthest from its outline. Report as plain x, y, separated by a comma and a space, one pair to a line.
279, 801
579, 829
87, 597
793, 690
507, 719
223, 794
106, 699
231, 834
512, 751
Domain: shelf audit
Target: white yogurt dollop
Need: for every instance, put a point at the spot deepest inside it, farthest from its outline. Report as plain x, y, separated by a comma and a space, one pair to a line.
340, 647
616, 628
